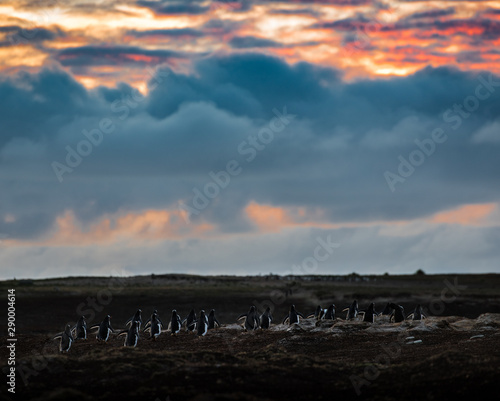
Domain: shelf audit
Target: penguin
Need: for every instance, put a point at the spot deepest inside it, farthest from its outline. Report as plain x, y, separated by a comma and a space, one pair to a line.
398, 313
318, 314
293, 316
330, 313
66, 339
202, 324
266, 319
132, 334
252, 321
154, 324
212, 320
369, 313
417, 314
136, 317
80, 329
190, 321
149, 320
352, 311
104, 329
387, 310
175, 323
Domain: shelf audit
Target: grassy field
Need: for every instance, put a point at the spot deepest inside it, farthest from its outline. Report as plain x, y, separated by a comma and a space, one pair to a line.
314, 360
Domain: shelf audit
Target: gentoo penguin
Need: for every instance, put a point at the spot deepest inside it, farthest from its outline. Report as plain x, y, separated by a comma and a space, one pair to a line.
80, 329
175, 323
149, 320
104, 329
202, 324
154, 324
293, 316
387, 310
370, 313
318, 314
266, 319
212, 320
66, 339
132, 334
136, 317
252, 321
398, 313
330, 313
352, 311
417, 314
190, 321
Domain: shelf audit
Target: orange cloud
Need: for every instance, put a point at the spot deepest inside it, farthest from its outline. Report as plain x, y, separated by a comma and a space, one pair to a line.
268, 218
382, 47
469, 215
274, 218
149, 225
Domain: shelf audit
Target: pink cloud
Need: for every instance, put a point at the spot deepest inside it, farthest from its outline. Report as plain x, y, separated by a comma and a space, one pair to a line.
469, 215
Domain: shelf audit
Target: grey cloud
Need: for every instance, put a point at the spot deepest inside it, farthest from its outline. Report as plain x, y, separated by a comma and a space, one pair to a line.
333, 156
432, 13
362, 250
111, 55
174, 7
176, 33
247, 42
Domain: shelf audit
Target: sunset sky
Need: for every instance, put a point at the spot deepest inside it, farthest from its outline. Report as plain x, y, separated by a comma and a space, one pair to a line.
249, 137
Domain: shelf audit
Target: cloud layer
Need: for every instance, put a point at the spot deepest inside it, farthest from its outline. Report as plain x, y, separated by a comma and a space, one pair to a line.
112, 42
134, 164
230, 137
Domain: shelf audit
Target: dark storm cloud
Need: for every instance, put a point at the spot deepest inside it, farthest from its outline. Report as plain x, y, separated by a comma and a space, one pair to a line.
492, 11
28, 226
424, 1
470, 57
110, 55
16, 35
319, 2
432, 13
247, 42
332, 156
35, 106
347, 24
490, 29
301, 11
86, 6
482, 28
222, 26
248, 85
197, 7
175, 7
175, 33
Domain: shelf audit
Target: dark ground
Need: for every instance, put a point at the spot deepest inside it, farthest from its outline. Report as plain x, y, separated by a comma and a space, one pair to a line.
305, 362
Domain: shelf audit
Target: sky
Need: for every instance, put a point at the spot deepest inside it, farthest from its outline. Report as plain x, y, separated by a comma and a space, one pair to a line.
251, 137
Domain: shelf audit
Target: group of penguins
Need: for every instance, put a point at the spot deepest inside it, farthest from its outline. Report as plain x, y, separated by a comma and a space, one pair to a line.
253, 321
153, 325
